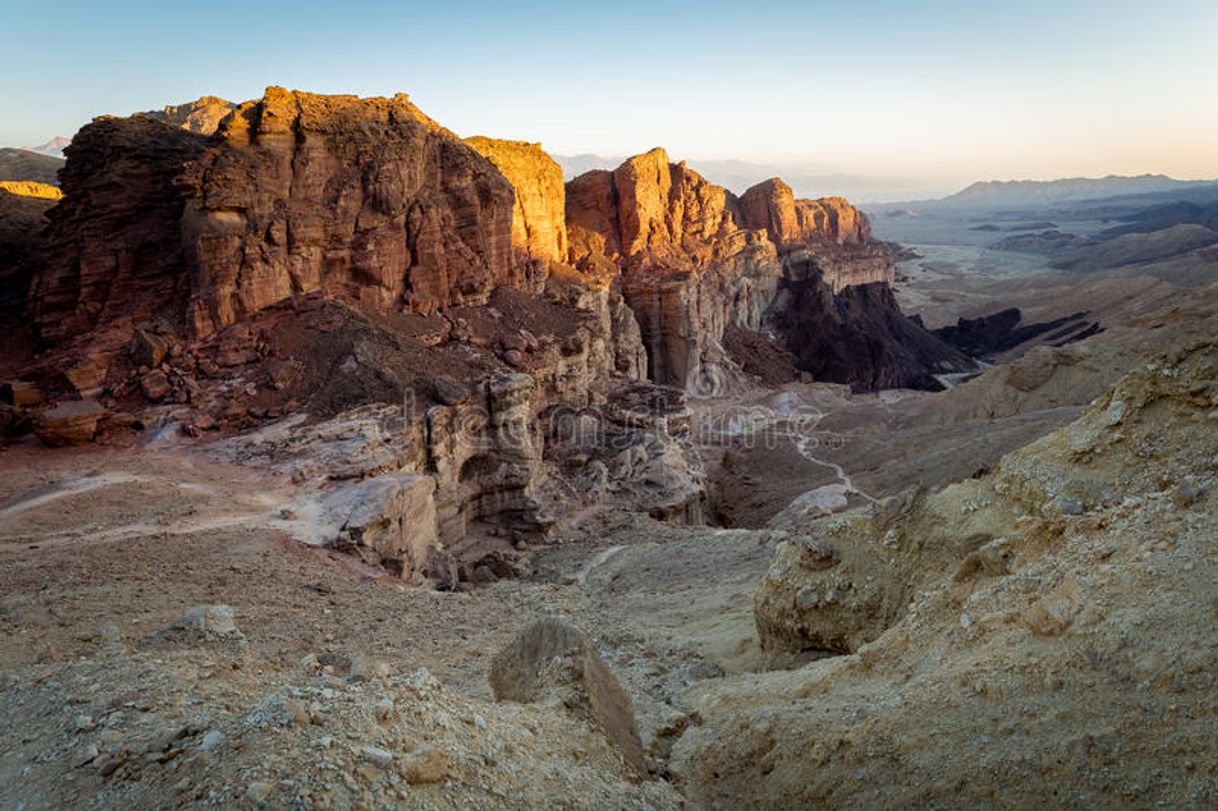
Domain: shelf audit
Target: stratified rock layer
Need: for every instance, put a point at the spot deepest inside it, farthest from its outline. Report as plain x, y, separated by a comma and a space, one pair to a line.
695, 260
114, 246
364, 197
538, 225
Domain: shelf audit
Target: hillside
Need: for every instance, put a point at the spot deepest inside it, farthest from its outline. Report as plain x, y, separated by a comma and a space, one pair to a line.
21, 164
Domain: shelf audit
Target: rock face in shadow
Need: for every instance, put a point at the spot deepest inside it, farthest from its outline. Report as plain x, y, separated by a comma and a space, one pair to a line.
114, 248
860, 336
23, 209
367, 197
992, 334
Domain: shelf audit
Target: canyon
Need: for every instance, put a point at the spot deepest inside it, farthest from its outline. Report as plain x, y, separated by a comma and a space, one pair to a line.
351, 462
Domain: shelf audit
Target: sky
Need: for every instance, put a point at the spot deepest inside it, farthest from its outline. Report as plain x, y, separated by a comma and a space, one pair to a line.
935, 93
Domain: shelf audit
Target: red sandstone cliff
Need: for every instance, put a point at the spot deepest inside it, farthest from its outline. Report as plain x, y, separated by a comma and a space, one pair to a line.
369, 201
771, 206
367, 197
538, 219
696, 260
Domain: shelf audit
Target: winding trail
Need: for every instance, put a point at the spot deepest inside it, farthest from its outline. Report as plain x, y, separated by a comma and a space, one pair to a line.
804, 444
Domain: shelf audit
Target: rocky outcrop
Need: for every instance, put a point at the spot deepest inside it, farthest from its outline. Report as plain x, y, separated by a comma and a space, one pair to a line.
695, 260
393, 517
71, 423
859, 336
1017, 594
485, 458
998, 332
688, 270
114, 249
367, 198
650, 212
538, 224
772, 207
201, 116
636, 451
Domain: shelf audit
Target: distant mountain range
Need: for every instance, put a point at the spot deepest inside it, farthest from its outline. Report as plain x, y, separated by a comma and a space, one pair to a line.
1029, 197
1033, 193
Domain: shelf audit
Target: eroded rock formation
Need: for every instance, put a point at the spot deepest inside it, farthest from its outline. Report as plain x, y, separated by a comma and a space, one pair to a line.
114, 249
367, 197
538, 224
771, 206
201, 116
695, 260
1012, 595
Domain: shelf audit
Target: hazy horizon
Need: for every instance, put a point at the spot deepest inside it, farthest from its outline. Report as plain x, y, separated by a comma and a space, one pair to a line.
932, 97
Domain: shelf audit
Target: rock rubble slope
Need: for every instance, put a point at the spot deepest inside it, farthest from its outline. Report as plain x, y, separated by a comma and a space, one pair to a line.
1042, 631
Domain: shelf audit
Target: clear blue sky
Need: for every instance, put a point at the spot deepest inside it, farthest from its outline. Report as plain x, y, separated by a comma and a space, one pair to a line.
930, 89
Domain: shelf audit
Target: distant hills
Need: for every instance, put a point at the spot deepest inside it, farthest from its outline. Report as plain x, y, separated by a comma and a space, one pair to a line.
23, 164
1033, 193
1030, 197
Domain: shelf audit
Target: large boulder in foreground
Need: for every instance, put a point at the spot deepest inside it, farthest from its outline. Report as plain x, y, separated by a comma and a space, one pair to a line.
551, 661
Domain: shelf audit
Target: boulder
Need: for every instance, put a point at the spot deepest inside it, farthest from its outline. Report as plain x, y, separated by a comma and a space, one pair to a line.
393, 515
155, 385
71, 423
449, 391
551, 661
148, 348
204, 624
21, 393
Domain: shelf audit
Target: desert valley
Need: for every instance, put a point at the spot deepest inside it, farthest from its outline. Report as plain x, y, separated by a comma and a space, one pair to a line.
351, 463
